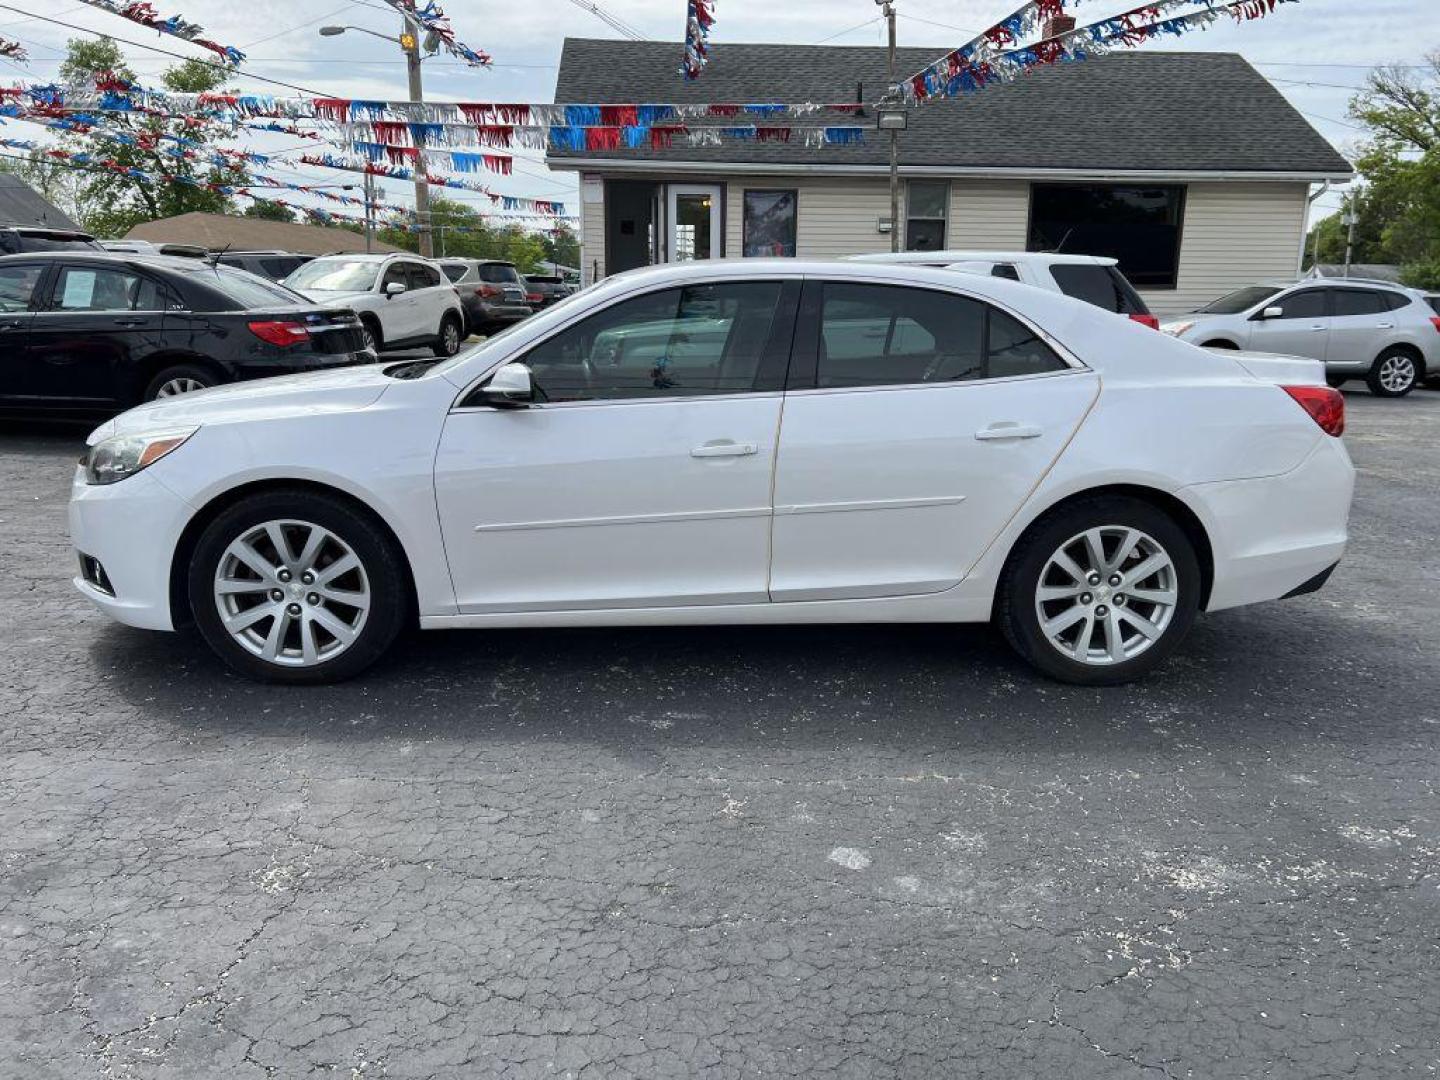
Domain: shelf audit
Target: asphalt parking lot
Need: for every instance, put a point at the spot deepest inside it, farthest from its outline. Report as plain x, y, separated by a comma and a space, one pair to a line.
860, 852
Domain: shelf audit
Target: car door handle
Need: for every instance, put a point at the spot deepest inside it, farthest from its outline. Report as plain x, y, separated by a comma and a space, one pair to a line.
1385, 326
725, 449
12, 324
131, 322
1008, 430
1318, 328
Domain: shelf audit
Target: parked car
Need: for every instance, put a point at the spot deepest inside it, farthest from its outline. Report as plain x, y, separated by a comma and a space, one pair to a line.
18, 239
86, 332
274, 265
1093, 278
542, 290
403, 301
1385, 334
862, 443
145, 247
491, 291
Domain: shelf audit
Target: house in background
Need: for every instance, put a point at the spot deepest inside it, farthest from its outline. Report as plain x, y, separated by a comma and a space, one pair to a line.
1190, 168
20, 204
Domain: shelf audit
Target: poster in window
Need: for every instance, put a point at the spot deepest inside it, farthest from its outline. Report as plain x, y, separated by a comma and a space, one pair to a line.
770, 224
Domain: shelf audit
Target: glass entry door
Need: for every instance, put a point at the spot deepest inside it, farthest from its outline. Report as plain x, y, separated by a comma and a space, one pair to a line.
694, 222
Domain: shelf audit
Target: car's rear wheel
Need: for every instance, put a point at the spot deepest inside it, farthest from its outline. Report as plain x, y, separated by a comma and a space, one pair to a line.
180, 379
1100, 592
447, 343
297, 587
1394, 374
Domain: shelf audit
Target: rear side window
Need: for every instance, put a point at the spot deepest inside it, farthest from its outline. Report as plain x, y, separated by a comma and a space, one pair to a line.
885, 335
454, 272
499, 274
17, 286
424, 277
1103, 286
1358, 302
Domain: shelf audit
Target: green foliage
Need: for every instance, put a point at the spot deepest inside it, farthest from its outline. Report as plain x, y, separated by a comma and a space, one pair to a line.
460, 232
110, 204
1398, 206
268, 211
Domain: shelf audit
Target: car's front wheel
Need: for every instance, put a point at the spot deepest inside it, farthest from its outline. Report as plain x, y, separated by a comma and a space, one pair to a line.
1394, 374
447, 343
1100, 591
297, 587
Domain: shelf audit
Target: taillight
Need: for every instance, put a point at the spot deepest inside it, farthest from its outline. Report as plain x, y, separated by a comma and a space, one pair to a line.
488, 292
1325, 405
533, 298
1145, 320
1435, 321
284, 334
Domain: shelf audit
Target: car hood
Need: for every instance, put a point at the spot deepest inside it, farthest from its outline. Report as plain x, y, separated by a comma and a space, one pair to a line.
335, 299
339, 390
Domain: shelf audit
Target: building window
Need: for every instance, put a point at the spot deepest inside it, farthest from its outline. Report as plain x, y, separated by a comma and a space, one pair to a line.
927, 208
1140, 226
769, 223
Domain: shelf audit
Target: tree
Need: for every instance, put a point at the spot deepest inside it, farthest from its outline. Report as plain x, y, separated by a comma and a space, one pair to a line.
110, 204
562, 245
269, 211
1398, 206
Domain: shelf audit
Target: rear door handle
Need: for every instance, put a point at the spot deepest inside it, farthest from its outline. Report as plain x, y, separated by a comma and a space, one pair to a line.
131, 322
1009, 430
724, 449
1385, 326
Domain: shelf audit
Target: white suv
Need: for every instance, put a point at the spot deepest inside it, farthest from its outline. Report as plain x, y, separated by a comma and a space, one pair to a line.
403, 301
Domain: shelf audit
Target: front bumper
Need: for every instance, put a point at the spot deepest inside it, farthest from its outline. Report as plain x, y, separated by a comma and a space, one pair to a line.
131, 528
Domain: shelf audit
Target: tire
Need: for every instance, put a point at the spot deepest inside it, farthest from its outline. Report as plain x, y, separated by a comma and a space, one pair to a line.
1394, 374
364, 606
452, 335
179, 379
1336, 381
374, 338
1063, 532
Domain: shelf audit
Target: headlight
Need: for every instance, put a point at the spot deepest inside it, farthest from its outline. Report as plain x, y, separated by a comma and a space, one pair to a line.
1175, 329
112, 460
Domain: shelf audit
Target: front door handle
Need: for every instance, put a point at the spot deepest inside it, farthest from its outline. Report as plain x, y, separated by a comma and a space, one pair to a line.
724, 448
1385, 326
131, 322
1318, 328
1009, 430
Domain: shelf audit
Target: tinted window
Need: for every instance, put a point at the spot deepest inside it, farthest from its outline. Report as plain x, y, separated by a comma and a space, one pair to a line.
705, 339
397, 273
1357, 302
423, 277
1306, 304
17, 286
926, 210
1005, 270
1240, 300
93, 288
1434, 303
249, 290
454, 271
499, 274
1103, 286
17, 242
278, 268
1140, 226
877, 335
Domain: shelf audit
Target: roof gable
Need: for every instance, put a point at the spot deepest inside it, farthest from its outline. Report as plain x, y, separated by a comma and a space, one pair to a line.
1156, 111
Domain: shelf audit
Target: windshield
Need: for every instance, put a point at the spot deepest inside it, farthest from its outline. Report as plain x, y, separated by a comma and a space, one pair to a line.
249, 290
334, 275
1240, 300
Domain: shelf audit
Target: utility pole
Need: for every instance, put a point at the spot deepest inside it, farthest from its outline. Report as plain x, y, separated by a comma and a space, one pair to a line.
410, 43
1349, 221
369, 213
889, 11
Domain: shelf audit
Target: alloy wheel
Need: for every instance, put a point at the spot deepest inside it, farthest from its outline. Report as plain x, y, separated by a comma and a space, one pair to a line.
1397, 373
450, 338
1106, 595
182, 384
292, 593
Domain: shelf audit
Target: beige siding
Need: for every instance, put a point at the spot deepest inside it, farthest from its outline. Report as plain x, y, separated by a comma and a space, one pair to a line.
592, 240
988, 215
836, 217
1235, 234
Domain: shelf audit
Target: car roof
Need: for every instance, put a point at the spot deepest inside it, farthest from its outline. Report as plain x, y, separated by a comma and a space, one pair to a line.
942, 258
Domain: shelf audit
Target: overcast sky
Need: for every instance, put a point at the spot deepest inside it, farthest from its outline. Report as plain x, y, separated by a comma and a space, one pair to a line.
1315, 51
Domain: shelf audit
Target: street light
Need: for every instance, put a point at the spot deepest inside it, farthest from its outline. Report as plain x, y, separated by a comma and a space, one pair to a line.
410, 47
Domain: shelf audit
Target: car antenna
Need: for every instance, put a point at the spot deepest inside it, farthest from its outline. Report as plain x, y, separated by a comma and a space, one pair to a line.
216, 256
1063, 241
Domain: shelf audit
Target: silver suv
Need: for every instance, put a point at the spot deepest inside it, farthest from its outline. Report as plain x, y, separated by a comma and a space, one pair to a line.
1385, 334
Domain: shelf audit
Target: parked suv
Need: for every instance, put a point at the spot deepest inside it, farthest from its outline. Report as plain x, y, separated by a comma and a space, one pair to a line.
88, 332
542, 290
18, 239
1093, 278
1386, 334
492, 292
403, 301
275, 265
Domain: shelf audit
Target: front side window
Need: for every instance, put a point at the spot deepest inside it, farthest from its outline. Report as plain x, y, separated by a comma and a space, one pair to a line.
397, 273
769, 224
926, 212
1240, 300
87, 288
334, 275
703, 339
1139, 226
17, 285
880, 335
1306, 304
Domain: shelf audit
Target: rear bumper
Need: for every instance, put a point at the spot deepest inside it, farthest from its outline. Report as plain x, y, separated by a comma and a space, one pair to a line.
1274, 536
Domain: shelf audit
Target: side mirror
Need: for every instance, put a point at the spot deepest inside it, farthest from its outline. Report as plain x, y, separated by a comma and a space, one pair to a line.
511, 387
395, 288
1275, 311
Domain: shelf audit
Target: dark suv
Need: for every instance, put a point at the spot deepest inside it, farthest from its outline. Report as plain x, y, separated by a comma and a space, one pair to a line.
90, 332
21, 239
275, 265
492, 292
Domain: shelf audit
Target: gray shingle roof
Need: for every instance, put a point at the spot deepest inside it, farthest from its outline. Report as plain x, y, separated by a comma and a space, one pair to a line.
1172, 111
20, 204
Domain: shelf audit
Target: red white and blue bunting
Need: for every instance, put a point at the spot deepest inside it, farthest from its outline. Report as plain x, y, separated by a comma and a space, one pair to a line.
174, 25
699, 17
548, 207
434, 21
973, 67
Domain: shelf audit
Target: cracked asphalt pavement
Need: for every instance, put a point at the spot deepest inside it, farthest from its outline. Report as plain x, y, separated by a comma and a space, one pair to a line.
863, 852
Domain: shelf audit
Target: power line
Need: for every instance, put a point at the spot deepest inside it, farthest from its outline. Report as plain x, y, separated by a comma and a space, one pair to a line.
842, 33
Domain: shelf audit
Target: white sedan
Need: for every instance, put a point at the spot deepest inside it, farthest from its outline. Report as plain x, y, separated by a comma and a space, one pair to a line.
731, 442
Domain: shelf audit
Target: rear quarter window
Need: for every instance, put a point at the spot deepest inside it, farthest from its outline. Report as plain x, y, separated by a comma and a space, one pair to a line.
1103, 286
